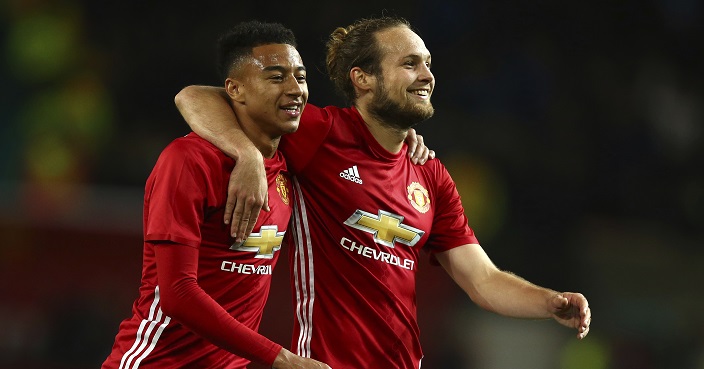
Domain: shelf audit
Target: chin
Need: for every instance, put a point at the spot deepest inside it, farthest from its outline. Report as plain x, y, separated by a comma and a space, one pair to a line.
290, 127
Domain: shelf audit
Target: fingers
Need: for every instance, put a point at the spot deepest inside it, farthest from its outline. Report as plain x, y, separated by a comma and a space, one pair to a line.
230, 208
585, 323
244, 217
247, 193
237, 217
412, 142
265, 207
559, 302
420, 153
581, 314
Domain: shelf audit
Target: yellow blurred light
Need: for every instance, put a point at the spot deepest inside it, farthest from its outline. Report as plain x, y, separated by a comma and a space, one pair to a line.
41, 46
483, 191
590, 353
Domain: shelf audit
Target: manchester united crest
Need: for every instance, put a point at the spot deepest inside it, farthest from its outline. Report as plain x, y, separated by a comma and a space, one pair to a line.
282, 187
418, 196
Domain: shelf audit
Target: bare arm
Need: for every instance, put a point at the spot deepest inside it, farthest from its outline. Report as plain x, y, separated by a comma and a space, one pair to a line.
207, 111
507, 294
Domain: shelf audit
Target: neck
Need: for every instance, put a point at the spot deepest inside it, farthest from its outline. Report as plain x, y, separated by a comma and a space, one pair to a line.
389, 137
263, 142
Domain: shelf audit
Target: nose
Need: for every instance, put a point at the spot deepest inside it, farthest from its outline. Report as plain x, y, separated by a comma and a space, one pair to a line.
294, 87
425, 74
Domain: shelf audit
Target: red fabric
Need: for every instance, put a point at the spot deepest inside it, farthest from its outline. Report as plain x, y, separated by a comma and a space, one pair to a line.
353, 282
184, 300
190, 270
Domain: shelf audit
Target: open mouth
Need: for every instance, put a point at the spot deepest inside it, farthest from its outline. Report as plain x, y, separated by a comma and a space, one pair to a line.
423, 92
292, 109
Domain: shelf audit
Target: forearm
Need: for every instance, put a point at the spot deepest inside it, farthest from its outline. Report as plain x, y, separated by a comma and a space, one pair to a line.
507, 294
492, 289
187, 303
198, 312
208, 113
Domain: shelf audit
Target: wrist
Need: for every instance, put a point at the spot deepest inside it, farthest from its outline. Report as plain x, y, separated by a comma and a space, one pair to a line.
246, 153
283, 359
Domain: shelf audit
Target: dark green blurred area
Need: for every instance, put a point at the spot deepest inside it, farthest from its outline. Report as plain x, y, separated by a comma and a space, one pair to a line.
574, 132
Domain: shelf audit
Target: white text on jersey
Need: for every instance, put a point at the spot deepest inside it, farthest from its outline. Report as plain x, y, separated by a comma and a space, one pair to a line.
379, 255
232, 267
351, 174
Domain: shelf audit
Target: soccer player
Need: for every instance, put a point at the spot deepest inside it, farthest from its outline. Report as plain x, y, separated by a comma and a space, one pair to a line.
363, 210
202, 295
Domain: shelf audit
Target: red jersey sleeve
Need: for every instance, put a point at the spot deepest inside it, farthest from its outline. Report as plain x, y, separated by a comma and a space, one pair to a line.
300, 147
185, 301
450, 226
177, 192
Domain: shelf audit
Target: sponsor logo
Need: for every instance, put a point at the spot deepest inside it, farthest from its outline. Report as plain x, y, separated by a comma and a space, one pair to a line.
264, 243
232, 267
282, 188
386, 227
351, 174
379, 255
418, 196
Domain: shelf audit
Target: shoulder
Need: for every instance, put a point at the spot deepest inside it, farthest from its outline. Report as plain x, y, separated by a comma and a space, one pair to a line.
191, 154
432, 167
313, 113
191, 146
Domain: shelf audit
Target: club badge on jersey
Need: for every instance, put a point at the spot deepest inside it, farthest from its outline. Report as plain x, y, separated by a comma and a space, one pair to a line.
418, 196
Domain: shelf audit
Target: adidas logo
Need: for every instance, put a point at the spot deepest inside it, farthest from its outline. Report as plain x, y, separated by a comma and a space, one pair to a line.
351, 174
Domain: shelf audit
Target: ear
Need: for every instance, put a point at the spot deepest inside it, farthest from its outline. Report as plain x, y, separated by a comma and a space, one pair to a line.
362, 80
235, 89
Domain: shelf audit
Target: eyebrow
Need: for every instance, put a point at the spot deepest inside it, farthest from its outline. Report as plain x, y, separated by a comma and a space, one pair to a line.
418, 56
279, 68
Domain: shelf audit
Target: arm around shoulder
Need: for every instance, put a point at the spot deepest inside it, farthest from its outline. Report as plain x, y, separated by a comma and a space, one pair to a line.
208, 113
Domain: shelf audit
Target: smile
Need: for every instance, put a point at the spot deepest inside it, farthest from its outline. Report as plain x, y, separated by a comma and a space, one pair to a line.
424, 93
293, 110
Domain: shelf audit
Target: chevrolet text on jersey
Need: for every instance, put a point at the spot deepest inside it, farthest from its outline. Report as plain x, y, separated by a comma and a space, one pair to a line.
371, 253
231, 266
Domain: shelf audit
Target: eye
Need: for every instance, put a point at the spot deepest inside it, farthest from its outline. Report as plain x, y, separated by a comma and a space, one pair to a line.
301, 78
277, 78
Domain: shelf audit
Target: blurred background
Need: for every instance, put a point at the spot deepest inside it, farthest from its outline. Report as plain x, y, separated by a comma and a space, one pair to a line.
573, 131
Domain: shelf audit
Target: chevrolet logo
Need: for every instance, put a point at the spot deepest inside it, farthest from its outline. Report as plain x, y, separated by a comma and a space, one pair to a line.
386, 228
264, 243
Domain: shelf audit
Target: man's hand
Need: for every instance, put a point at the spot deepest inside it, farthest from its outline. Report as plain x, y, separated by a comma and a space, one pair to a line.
571, 310
247, 194
417, 150
288, 360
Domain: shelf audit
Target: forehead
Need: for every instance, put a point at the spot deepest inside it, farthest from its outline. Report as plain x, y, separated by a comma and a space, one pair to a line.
399, 42
276, 54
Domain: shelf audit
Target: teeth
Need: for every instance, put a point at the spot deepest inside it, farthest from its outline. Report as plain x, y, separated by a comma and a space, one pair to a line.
420, 92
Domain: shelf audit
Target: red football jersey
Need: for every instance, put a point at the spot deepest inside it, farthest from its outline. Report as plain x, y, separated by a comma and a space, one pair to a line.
361, 217
184, 205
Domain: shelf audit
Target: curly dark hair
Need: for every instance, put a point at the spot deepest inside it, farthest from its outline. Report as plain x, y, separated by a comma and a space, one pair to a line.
238, 42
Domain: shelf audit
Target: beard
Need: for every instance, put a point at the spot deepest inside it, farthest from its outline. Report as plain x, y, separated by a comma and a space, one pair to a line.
395, 114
